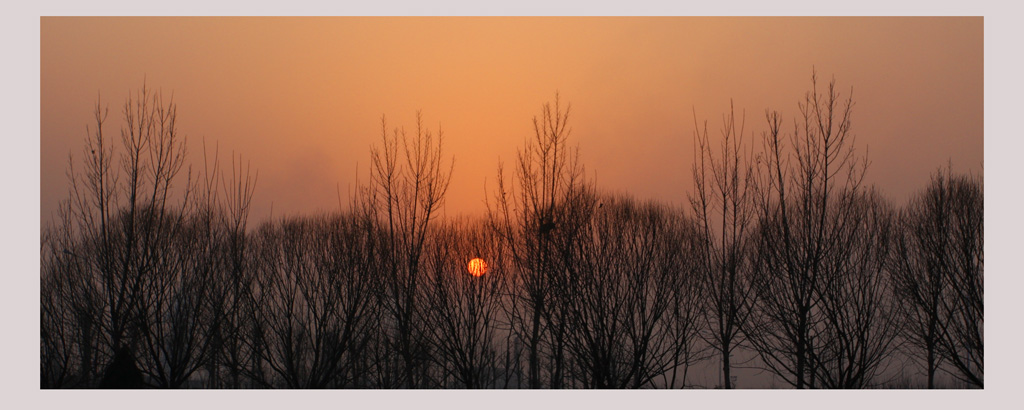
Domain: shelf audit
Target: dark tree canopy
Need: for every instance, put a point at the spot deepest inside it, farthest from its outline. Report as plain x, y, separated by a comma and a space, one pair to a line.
783, 261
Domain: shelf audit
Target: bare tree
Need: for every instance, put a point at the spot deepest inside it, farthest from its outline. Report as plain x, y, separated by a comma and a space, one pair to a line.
679, 258
315, 292
117, 224
800, 228
525, 212
232, 310
621, 291
408, 181
174, 315
142, 259
723, 203
940, 271
965, 338
861, 320
921, 286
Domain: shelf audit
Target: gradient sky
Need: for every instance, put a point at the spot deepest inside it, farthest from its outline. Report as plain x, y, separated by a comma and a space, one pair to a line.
301, 98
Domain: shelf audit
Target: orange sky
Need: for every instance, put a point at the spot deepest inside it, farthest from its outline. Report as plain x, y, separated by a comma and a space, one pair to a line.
302, 97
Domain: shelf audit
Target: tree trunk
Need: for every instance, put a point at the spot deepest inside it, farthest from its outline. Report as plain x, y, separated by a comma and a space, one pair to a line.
726, 371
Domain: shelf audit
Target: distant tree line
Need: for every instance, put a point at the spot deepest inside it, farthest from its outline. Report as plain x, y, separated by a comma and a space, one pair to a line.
153, 276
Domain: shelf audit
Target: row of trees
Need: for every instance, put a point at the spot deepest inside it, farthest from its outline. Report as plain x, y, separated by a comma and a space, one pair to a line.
152, 275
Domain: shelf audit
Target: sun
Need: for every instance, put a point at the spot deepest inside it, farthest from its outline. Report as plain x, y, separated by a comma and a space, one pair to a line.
477, 267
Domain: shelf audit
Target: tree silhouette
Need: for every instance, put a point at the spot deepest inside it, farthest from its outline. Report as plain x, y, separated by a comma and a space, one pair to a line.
723, 202
315, 286
527, 212
232, 305
939, 266
624, 294
116, 227
408, 181
176, 320
70, 311
807, 208
861, 320
152, 276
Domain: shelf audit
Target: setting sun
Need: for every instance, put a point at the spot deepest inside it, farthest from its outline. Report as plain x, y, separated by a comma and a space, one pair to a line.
477, 267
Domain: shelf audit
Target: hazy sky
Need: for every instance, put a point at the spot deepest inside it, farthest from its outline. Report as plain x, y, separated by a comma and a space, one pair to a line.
302, 98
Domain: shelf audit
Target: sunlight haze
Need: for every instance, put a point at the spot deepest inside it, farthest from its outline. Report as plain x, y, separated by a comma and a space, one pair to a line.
302, 98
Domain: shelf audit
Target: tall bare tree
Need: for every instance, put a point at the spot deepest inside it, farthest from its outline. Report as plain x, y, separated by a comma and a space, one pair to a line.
525, 212
800, 228
228, 196
125, 210
723, 202
408, 181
